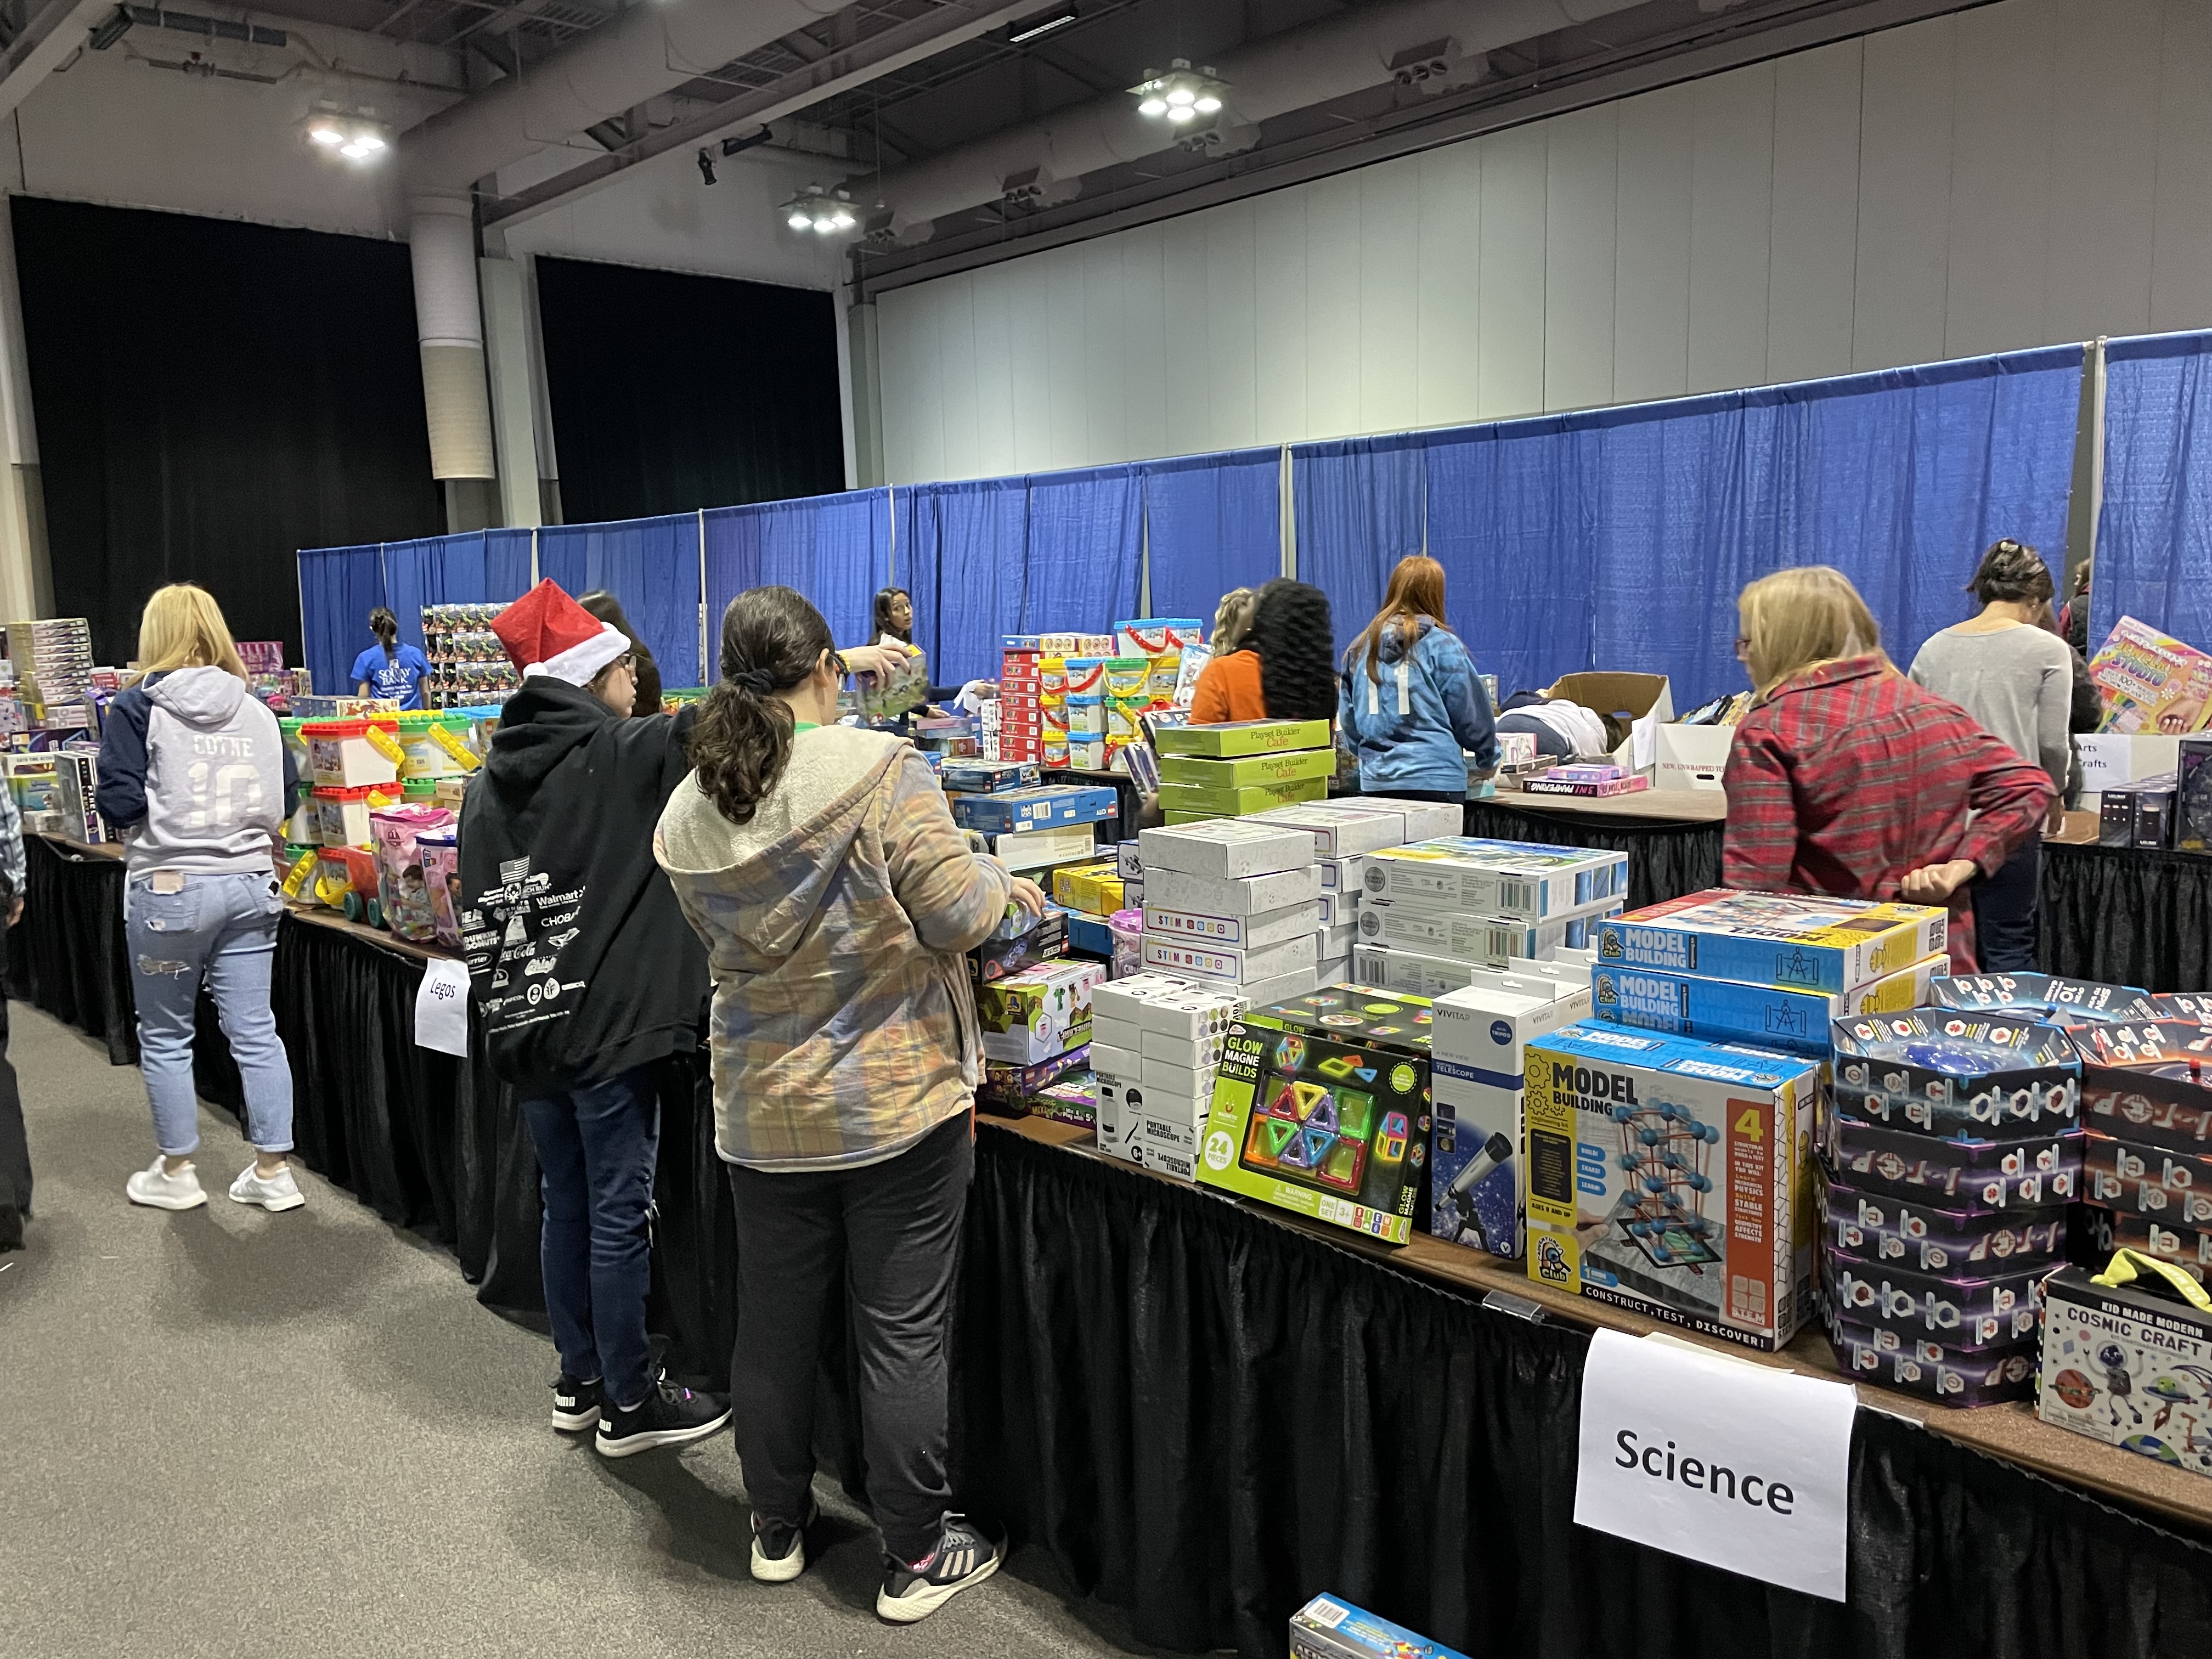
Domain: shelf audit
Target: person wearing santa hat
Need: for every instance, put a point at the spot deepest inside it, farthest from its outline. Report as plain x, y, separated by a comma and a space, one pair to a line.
586, 975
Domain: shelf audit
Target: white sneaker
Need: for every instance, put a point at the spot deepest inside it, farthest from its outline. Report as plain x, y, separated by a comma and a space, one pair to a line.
156, 1186
272, 1192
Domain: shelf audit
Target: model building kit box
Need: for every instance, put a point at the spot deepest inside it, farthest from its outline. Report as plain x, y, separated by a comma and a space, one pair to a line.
1322, 1106
1725, 1010
1039, 1013
1674, 1177
2127, 1359
1329, 1627
1495, 878
1815, 943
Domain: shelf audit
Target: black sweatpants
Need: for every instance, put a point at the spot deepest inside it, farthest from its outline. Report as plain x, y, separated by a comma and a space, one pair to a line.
892, 1230
15, 1146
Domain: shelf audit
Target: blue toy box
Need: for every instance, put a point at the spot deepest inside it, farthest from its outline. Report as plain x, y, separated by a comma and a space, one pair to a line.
1328, 1627
1724, 1010
1015, 810
1811, 944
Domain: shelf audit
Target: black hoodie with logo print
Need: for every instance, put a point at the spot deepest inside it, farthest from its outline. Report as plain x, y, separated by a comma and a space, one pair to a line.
579, 957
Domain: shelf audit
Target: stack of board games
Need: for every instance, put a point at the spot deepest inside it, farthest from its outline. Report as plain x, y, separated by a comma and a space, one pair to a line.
1952, 1152
1231, 904
1244, 767
1431, 914
2147, 1116
1585, 781
1155, 1050
1018, 732
1344, 833
1036, 828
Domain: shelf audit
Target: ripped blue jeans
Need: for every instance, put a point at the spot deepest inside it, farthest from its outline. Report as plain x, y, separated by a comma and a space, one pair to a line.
221, 926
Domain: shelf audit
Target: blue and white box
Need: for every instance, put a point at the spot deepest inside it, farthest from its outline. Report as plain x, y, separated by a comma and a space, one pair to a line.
1725, 1010
1016, 810
1495, 878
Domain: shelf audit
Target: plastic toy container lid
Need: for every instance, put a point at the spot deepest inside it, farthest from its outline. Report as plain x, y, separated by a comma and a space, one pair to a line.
421, 720
1950, 1043
290, 725
377, 794
443, 836
419, 788
357, 727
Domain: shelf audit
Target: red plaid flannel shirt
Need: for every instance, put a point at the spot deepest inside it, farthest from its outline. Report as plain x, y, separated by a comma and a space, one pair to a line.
1848, 778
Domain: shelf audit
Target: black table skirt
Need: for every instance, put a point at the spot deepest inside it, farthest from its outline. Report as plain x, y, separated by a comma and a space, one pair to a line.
1665, 861
2129, 917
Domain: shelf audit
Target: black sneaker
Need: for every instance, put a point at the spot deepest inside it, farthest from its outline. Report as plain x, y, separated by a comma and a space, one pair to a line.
779, 1548
12, 1228
964, 1555
576, 1405
671, 1415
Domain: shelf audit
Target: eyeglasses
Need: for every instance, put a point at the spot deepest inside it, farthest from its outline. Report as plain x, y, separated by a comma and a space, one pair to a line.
1742, 647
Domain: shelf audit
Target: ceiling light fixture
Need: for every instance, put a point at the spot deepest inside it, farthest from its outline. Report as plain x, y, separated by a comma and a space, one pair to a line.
1024, 31
823, 212
355, 134
1182, 94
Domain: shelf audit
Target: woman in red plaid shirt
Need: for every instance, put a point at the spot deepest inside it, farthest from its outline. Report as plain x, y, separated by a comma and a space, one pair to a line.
1846, 778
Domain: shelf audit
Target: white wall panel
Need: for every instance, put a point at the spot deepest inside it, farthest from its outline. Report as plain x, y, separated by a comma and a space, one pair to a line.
2026, 172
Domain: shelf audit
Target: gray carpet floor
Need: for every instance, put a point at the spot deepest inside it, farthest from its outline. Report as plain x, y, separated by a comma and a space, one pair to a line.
239, 1434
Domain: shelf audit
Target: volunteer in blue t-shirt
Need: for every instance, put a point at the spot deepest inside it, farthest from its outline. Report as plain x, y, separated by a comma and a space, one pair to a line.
389, 669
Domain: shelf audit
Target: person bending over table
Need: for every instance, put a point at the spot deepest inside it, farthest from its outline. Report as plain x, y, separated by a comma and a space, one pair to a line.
585, 976
822, 867
1410, 707
1846, 778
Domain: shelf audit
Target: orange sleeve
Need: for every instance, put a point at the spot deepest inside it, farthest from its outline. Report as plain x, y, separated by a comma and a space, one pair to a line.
1209, 701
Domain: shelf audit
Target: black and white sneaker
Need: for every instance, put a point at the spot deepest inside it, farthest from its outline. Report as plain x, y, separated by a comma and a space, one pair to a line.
576, 1405
779, 1548
965, 1556
671, 1415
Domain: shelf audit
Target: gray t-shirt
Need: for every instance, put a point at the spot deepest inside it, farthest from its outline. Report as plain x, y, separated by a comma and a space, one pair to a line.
2017, 682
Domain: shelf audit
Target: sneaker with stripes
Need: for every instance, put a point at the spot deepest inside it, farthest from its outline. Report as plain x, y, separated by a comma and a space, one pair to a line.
964, 1555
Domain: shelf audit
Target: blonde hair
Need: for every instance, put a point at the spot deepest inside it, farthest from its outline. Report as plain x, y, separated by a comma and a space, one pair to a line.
1797, 620
183, 627
1232, 620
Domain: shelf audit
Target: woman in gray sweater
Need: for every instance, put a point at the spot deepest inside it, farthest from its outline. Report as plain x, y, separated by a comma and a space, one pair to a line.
2017, 679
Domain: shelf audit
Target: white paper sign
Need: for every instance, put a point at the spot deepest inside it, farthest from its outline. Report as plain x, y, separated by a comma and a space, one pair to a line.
441, 1007
1723, 1462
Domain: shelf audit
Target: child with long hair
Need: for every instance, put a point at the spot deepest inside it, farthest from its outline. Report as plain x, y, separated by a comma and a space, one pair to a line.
1410, 706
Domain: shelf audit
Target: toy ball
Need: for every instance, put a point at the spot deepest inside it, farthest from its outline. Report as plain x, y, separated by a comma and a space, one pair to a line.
1622, 1114
2074, 1389
2150, 1446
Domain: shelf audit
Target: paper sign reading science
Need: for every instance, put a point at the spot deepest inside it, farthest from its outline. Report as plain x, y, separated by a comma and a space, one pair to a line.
1717, 1460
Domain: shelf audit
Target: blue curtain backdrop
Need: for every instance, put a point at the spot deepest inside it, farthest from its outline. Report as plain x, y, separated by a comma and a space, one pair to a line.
1360, 508
652, 565
1213, 522
339, 587
833, 548
1084, 549
478, 567
963, 555
2154, 533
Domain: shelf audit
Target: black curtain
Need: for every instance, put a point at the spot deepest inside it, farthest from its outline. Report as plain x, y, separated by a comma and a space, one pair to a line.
1665, 861
210, 397
672, 393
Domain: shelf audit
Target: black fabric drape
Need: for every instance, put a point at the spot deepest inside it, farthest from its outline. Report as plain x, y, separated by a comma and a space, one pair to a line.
1665, 861
713, 393
282, 410
68, 957
2128, 916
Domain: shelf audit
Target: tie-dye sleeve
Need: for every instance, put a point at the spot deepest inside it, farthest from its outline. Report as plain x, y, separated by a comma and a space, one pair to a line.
955, 897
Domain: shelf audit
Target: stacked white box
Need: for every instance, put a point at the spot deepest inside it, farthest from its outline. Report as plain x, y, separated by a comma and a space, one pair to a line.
1163, 1040
1233, 908
1432, 913
1477, 1046
1364, 824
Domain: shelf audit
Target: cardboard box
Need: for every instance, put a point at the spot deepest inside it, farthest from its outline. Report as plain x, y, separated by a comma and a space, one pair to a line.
1642, 703
1338, 910
1246, 932
1005, 1085
1239, 803
1364, 823
1343, 875
1244, 895
1480, 939
1109, 1060
2147, 677
2193, 797
1119, 1125
990, 777
1224, 851
2125, 1363
1768, 938
1249, 771
1959, 1076
2053, 997
1929, 1238
1198, 1053
1495, 877
1329, 1627
1093, 889
1978, 1176
1322, 1108
1015, 810
1166, 1080
1728, 1011
1035, 849
1128, 861
1690, 756
1164, 953
1479, 1039
1039, 1013
1072, 1099
1150, 1155
1283, 987
1172, 1007
1170, 1138
1674, 1176
1233, 739
1547, 784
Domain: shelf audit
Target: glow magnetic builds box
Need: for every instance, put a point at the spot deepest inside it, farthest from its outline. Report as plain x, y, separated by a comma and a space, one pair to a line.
1674, 1176
1322, 1106
1775, 939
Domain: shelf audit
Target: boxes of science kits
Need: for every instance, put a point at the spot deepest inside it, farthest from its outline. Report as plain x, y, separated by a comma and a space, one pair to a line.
1039, 1013
2063, 1002
1938, 1367
1724, 1010
1816, 944
1005, 1084
1930, 1238
1342, 829
1957, 1075
1230, 895
988, 777
1233, 964
1673, 1176
2127, 1359
1242, 932
1495, 877
1486, 940
1322, 1106
1477, 1072
1234, 738
1093, 889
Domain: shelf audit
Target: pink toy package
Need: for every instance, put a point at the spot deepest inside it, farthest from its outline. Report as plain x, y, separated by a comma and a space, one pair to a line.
402, 888
441, 873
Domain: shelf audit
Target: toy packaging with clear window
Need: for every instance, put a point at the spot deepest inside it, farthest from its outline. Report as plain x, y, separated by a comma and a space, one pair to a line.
402, 882
441, 873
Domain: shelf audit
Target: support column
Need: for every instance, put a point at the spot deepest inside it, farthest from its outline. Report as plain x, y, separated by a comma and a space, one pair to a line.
449, 322
513, 403
27, 588
863, 395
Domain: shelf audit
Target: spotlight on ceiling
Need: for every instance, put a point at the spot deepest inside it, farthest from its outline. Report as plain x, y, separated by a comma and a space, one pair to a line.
823, 212
1044, 23
1182, 94
355, 134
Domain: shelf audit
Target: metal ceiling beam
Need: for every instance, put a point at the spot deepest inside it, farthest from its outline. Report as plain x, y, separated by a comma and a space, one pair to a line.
45, 43
838, 71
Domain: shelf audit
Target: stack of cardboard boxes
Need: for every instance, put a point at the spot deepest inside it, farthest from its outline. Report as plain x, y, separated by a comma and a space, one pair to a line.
1243, 767
1432, 914
2147, 1111
1155, 1047
53, 667
1344, 833
1038, 827
1013, 727
1231, 904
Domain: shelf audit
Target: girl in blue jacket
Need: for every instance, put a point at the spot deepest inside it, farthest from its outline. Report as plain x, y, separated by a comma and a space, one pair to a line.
1408, 703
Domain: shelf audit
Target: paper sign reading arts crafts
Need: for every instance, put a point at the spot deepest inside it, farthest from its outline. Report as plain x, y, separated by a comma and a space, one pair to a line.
1724, 1462
442, 1008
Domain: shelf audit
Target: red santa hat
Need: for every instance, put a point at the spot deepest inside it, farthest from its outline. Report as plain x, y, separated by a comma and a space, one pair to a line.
546, 632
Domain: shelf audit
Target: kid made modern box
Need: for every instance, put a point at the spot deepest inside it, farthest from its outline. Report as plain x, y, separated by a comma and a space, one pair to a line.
1322, 1106
2126, 1353
1815, 943
1674, 1176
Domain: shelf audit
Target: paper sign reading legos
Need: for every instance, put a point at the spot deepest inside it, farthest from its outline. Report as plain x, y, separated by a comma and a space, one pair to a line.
2151, 682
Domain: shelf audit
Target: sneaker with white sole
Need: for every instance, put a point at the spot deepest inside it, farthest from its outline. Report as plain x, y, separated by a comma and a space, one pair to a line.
156, 1187
965, 1556
276, 1192
671, 1415
577, 1406
779, 1548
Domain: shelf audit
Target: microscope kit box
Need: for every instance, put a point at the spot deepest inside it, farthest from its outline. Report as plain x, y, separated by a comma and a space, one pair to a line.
1322, 1106
1673, 1176
1774, 938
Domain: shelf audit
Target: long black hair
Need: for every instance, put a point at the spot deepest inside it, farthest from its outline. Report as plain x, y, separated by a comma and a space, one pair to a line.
1297, 646
385, 627
2011, 571
772, 640
645, 670
883, 597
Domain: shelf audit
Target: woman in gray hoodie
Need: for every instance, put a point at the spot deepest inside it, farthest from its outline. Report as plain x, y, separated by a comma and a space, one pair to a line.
194, 774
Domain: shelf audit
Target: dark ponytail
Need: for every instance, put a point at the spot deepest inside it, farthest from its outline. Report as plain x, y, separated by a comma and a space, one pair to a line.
2013, 572
772, 640
385, 627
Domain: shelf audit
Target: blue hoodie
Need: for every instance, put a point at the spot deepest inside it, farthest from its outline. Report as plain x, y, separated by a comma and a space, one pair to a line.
1415, 728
